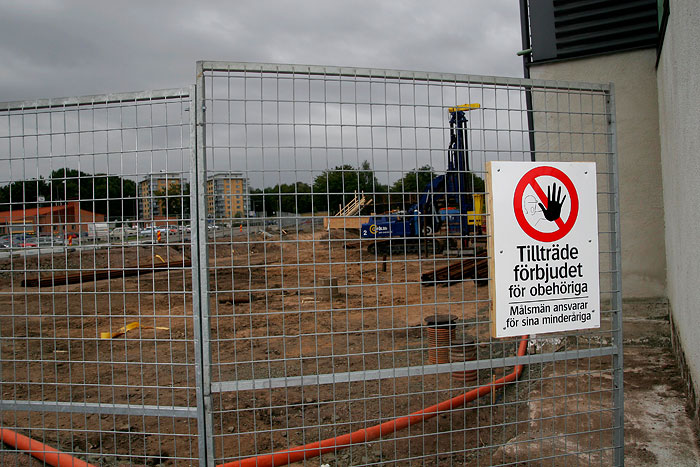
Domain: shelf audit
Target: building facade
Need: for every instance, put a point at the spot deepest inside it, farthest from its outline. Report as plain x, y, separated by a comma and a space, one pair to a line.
61, 219
651, 50
612, 41
678, 80
227, 197
161, 196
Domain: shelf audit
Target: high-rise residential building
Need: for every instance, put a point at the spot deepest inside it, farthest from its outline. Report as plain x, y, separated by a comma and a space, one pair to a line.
160, 196
227, 196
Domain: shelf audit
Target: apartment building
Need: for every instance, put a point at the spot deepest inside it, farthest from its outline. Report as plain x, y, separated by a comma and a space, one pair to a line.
227, 196
160, 196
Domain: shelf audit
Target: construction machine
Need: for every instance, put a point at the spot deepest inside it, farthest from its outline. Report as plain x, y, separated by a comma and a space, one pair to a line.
447, 202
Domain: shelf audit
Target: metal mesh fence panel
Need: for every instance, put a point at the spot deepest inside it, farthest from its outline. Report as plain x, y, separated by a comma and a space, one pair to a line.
346, 309
287, 264
96, 317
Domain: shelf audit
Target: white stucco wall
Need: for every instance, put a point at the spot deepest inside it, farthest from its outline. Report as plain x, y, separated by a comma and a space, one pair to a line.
641, 200
679, 110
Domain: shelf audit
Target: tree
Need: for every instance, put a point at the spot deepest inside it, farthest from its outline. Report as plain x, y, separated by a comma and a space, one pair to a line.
104, 194
295, 197
407, 190
24, 194
479, 185
265, 200
110, 195
335, 188
173, 200
285, 197
417, 180
414, 181
257, 200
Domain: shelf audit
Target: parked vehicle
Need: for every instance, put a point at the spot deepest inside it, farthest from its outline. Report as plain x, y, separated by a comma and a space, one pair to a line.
98, 230
5, 241
46, 240
122, 232
18, 241
152, 232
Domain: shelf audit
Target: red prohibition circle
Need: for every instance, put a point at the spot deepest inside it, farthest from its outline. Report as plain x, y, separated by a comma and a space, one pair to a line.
529, 180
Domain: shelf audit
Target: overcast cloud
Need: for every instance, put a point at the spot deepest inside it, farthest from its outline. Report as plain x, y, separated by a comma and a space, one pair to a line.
52, 48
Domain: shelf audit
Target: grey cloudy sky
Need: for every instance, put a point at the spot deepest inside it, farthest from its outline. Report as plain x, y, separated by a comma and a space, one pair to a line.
53, 48
64, 48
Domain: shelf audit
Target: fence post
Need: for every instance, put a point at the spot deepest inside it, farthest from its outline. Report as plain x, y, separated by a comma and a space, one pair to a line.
200, 275
616, 285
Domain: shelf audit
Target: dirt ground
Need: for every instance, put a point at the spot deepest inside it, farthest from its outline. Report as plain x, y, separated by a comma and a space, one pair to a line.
564, 428
271, 316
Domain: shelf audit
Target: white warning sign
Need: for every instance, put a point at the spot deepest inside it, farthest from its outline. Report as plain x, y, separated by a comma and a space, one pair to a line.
543, 247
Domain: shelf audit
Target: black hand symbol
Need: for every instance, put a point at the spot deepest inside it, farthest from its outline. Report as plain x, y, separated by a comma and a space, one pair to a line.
554, 202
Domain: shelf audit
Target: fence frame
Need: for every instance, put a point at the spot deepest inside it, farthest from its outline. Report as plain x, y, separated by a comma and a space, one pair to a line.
201, 293
185, 97
615, 350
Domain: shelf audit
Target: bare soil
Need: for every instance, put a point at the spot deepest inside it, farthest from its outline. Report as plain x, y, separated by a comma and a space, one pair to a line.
290, 326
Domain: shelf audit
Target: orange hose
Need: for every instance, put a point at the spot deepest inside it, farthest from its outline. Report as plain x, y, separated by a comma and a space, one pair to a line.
41, 451
365, 435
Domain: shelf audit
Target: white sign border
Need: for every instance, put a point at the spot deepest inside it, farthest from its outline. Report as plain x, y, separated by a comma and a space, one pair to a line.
506, 234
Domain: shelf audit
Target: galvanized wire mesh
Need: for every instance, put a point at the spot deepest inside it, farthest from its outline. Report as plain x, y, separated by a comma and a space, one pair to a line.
214, 235
317, 332
98, 355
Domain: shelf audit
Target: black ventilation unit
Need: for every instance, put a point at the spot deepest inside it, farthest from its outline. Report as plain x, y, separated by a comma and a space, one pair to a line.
561, 29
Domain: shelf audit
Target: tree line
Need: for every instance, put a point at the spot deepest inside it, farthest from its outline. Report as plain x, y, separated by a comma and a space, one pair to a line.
334, 188
117, 197
104, 194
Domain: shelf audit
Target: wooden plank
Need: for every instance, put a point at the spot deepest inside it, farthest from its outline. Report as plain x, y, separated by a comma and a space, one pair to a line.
90, 275
469, 268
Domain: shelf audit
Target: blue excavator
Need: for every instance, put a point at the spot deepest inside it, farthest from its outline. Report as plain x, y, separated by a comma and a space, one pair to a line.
446, 202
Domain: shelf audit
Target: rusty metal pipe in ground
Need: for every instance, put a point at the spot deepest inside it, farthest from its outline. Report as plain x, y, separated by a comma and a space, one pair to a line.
441, 333
464, 351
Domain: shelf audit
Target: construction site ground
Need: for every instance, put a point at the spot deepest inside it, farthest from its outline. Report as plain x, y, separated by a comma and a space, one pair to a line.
270, 319
658, 430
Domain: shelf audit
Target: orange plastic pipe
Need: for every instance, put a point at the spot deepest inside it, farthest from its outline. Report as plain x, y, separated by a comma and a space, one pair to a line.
365, 435
41, 451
